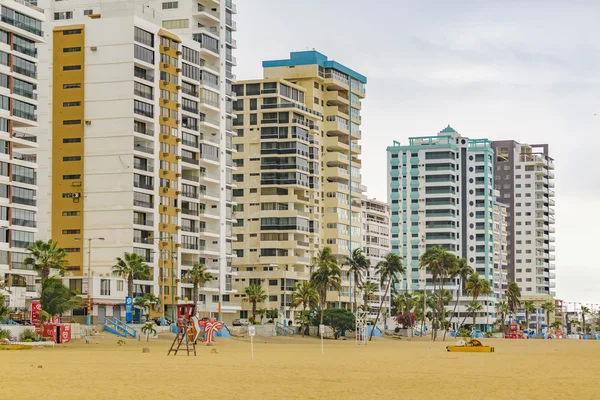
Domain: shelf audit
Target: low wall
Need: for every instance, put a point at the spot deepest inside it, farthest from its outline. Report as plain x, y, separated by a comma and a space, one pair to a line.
17, 330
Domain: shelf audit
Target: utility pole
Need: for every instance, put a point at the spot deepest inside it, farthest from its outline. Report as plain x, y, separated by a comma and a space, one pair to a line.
88, 318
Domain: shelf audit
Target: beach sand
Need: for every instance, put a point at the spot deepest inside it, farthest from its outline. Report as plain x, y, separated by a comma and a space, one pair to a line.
293, 368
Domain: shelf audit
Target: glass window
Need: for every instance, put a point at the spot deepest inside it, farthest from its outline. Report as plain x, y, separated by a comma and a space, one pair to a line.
24, 46
22, 21
143, 37
144, 54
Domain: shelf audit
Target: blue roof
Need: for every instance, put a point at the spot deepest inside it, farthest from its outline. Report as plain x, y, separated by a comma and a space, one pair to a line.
314, 57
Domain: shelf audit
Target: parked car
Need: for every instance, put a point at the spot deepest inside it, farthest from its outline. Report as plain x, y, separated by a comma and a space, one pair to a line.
240, 322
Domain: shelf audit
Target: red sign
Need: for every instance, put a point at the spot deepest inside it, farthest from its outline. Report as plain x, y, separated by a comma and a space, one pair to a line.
36, 307
65, 333
51, 330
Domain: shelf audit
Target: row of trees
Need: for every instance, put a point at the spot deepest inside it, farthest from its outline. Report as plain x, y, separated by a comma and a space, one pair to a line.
326, 276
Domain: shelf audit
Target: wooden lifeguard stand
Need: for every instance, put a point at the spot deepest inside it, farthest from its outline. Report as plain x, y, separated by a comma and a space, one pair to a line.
184, 330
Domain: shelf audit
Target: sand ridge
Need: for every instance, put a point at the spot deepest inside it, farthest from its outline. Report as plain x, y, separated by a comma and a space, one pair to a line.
293, 368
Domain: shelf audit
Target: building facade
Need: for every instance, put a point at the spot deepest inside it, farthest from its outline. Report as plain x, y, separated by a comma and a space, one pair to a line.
500, 246
21, 35
524, 175
277, 191
298, 173
376, 245
441, 193
139, 154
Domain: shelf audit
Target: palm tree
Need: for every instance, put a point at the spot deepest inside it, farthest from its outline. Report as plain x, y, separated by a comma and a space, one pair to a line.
358, 264
4, 311
131, 266
473, 308
254, 294
449, 261
433, 261
147, 302
388, 271
261, 312
56, 299
46, 256
149, 329
368, 288
584, 311
502, 309
461, 270
198, 276
548, 307
304, 295
324, 255
406, 303
513, 295
529, 309
476, 287
556, 325
327, 275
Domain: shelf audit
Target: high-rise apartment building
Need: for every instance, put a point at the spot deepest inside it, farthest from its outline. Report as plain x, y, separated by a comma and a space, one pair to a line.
20, 36
500, 245
277, 191
138, 149
298, 172
441, 192
524, 175
375, 245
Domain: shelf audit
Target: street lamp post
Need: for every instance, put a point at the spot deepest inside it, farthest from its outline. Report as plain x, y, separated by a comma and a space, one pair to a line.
88, 318
172, 255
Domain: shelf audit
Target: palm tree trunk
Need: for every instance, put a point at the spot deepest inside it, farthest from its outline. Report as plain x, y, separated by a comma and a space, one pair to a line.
440, 308
433, 312
354, 293
456, 304
130, 285
474, 316
194, 297
302, 319
380, 306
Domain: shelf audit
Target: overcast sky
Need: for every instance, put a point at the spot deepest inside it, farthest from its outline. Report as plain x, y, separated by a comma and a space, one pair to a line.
522, 70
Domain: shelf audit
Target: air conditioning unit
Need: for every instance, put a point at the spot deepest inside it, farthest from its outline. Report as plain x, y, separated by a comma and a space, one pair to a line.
165, 65
165, 190
165, 154
165, 136
165, 208
166, 48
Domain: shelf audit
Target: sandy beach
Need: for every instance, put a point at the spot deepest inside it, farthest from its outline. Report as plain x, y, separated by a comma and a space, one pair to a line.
293, 368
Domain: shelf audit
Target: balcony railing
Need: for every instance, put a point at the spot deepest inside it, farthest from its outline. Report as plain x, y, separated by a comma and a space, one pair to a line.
143, 221
25, 93
25, 136
141, 203
24, 114
144, 149
32, 158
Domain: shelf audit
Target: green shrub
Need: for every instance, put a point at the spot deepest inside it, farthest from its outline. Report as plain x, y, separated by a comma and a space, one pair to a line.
4, 333
463, 333
28, 334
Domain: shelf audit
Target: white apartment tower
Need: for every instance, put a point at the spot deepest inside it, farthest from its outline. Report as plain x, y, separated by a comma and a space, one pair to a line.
20, 36
441, 193
524, 176
139, 150
375, 245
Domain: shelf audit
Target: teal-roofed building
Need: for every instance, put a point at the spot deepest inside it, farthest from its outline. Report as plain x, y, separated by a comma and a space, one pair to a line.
441, 193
